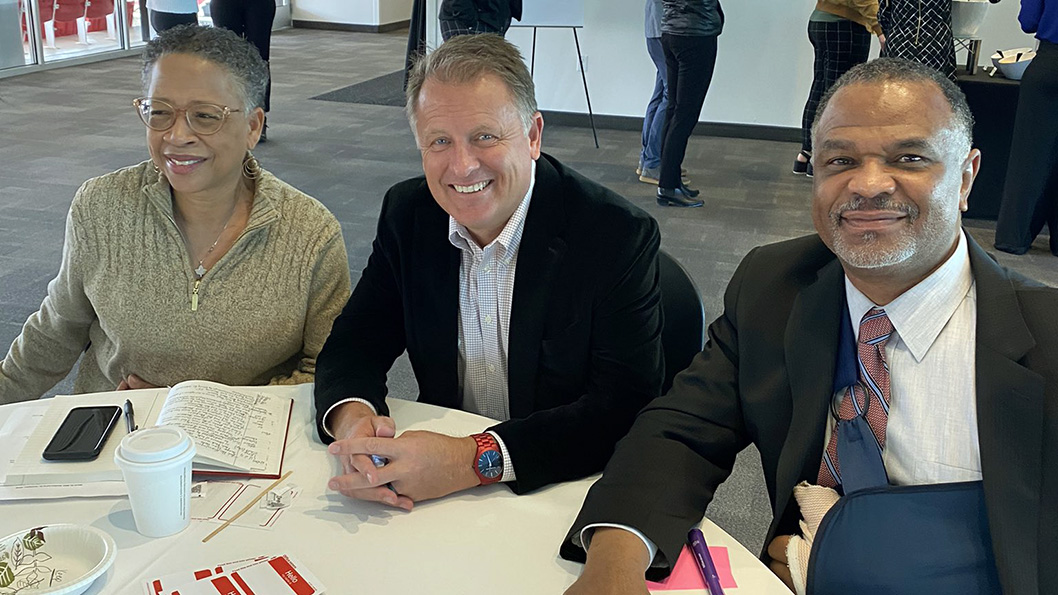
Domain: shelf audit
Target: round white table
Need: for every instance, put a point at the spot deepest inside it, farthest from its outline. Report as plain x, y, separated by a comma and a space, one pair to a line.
485, 540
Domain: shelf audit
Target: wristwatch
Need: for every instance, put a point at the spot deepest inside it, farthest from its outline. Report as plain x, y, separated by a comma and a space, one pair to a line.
488, 462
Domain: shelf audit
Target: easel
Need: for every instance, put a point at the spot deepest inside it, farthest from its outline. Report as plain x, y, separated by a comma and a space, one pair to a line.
580, 61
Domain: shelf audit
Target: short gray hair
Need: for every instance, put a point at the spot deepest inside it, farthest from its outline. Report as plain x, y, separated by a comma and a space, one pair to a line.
885, 70
220, 46
465, 58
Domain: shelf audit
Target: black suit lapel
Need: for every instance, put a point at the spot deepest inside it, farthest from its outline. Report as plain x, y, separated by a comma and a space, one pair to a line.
811, 341
1010, 414
435, 303
539, 254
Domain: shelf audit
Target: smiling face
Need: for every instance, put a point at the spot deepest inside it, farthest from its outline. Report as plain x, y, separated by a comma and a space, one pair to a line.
892, 174
198, 164
476, 155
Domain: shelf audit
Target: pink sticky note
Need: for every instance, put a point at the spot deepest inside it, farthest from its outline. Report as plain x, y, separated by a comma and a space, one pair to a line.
685, 574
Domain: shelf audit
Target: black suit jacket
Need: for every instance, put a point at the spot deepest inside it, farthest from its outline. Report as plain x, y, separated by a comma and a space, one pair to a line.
584, 353
766, 376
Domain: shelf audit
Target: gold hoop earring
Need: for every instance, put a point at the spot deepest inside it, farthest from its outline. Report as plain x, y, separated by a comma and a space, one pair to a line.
251, 168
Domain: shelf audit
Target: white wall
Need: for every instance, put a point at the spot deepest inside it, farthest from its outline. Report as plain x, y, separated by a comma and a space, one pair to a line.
763, 71
352, 12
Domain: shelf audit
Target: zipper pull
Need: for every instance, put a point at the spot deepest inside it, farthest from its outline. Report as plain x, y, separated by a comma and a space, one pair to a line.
194, 295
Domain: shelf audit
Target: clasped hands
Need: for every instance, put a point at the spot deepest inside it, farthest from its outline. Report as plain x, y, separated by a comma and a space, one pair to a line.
422, 465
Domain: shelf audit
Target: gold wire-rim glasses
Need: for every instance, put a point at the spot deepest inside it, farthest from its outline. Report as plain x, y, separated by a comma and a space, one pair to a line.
208, 119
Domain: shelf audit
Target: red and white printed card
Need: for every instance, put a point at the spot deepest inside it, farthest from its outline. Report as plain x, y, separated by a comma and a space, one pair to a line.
166, 584
277, 575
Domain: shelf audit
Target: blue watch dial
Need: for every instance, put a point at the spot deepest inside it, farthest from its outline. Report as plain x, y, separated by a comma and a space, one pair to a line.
490, 464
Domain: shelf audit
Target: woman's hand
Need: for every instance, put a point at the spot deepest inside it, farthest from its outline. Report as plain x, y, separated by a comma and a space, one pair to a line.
132, 382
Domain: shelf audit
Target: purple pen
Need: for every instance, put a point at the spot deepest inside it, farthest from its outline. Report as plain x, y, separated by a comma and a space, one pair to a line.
705, 562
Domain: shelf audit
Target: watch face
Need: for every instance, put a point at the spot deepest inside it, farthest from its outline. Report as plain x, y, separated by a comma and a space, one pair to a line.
490, 464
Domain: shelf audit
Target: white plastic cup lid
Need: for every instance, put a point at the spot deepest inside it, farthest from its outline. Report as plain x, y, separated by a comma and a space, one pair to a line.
152, 445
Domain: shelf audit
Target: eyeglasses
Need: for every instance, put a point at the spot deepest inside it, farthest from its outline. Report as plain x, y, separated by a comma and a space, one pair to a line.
203, 118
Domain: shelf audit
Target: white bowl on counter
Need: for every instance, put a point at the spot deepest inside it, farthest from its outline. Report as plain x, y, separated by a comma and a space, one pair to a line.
1013, 67
1000, 54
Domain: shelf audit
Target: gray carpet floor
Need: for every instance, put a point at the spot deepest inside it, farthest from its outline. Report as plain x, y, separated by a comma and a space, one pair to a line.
61, 127
387, 89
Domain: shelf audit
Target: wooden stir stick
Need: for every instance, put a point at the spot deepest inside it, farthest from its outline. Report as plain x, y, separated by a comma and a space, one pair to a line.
248, 506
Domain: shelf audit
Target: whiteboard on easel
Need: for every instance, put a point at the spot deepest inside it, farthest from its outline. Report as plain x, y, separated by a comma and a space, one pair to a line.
551, 13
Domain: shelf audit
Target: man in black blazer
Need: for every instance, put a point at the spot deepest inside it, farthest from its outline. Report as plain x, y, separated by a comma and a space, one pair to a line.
893, 169
540, 308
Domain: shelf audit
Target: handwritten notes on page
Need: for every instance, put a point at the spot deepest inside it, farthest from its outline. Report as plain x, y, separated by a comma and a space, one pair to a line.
233, 428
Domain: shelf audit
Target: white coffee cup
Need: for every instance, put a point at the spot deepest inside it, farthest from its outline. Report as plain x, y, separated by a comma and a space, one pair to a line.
156, 464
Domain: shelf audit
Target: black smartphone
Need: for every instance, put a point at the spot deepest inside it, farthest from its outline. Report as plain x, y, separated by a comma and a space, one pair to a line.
82, 434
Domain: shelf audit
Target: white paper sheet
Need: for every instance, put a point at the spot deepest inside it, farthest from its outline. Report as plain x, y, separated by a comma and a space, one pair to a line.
14, 434
29, 468
222, 500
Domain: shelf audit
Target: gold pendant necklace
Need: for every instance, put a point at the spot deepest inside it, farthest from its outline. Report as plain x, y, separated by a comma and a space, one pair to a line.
200, 270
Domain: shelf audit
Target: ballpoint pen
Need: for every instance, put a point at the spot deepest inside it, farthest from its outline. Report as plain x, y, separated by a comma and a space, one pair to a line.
382, 462
130, 420
705, 561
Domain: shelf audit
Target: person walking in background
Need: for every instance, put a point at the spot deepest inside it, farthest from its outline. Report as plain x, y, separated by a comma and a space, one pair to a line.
464, 17
689, 29
840, 32
166, 14
1030, 197
920, 31
251, 19
654, 120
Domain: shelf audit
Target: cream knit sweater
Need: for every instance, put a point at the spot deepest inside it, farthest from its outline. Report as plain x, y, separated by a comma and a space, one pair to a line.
123, 294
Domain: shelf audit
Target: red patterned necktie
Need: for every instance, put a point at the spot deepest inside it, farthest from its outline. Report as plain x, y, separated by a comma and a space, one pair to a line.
871, 391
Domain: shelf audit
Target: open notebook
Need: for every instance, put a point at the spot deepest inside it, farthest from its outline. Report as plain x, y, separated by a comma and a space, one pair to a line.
237, 432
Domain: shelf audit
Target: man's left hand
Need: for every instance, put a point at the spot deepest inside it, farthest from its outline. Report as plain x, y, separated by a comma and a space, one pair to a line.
779, 564
422, 465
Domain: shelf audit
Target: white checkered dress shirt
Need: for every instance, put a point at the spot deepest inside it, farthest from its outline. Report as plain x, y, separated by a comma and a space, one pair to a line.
486, 290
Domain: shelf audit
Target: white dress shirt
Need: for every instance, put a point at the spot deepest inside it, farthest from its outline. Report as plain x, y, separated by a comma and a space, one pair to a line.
931, 435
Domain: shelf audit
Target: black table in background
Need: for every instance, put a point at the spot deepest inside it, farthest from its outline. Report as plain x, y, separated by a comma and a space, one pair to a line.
993, 102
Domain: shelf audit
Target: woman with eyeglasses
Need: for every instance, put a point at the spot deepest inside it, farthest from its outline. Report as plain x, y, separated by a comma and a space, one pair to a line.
196, 263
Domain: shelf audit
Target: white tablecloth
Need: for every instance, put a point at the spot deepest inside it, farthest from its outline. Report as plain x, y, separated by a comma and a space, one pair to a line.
485, 540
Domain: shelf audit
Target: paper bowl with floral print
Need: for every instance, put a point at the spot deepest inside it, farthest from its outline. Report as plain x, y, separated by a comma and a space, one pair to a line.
54, 560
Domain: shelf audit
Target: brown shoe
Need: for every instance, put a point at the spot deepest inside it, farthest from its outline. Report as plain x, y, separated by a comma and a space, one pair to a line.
650, 175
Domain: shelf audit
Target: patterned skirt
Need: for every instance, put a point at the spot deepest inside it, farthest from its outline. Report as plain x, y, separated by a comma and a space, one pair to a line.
919, 30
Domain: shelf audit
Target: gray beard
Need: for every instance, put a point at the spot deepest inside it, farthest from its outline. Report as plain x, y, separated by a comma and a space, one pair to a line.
868, 255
